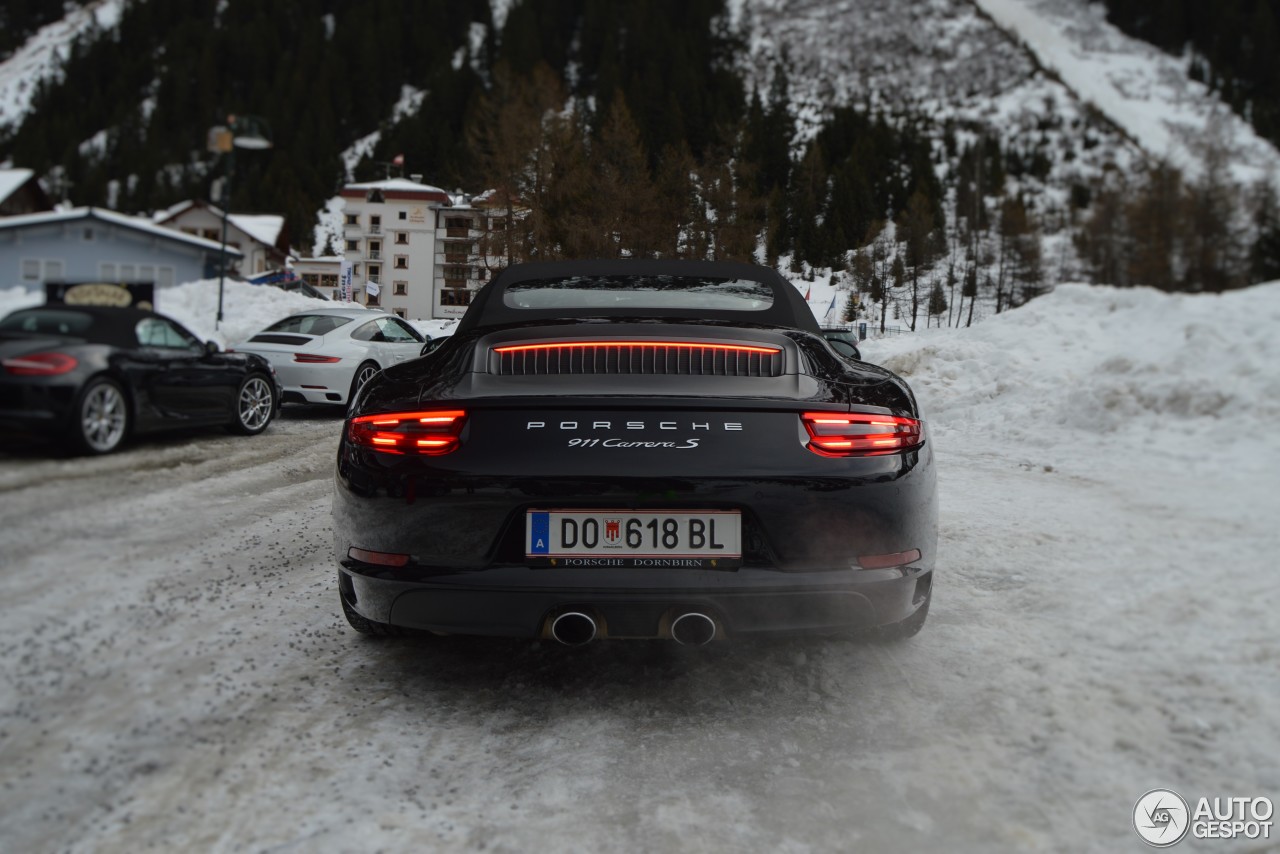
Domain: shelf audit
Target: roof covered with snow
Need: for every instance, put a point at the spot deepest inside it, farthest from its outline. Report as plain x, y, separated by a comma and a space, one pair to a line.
396, 184
131, 222
11, 180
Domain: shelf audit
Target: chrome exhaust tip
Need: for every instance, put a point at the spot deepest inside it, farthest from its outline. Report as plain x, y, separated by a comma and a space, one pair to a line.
573, 628
693, 629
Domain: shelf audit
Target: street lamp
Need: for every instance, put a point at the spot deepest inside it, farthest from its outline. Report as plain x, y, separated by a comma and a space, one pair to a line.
251, 134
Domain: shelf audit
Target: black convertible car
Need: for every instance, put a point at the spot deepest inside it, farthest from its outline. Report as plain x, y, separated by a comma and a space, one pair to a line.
635, 449
92, 376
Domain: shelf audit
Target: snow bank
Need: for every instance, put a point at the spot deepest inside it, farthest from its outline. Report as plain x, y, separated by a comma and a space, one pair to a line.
1102, 360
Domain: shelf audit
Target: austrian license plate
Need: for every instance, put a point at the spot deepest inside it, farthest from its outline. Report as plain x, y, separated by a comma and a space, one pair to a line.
626, 538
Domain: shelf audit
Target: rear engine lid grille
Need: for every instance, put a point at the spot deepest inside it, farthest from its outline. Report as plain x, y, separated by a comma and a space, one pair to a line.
686, 358
277, 338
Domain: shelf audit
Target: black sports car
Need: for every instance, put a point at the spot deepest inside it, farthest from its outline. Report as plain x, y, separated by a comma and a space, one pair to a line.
635, 449
93, 376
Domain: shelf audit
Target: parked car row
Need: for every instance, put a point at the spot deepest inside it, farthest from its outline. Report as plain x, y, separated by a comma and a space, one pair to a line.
91, 377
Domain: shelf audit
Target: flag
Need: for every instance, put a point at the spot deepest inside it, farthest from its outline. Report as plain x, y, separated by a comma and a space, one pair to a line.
344, 281
398, 160
808, 293
372, 288
832, 306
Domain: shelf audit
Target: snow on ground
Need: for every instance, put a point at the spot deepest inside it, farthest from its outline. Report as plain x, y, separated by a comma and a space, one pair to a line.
1136, 85
176, 675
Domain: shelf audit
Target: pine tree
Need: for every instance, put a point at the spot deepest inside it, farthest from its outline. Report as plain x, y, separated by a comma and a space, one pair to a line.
937, 301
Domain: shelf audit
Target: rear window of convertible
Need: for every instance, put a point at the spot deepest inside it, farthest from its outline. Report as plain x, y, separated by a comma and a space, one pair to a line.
639, 292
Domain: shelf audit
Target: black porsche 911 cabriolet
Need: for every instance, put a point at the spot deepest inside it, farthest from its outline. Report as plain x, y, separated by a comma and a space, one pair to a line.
635, 449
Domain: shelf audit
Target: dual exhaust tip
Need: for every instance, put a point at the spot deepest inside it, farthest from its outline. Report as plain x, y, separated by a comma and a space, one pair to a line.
574, 628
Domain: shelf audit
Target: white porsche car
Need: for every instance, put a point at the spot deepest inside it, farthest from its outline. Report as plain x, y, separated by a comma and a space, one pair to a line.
325, 355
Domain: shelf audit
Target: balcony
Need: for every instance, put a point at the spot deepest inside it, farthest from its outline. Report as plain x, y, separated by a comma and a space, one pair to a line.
374, 255
375, 228
458, 231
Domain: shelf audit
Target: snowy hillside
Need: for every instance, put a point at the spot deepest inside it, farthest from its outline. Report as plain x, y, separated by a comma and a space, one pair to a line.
1049, 73
21, 73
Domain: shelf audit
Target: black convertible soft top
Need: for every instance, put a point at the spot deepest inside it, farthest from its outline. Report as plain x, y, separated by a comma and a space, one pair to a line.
107, 324
492, 305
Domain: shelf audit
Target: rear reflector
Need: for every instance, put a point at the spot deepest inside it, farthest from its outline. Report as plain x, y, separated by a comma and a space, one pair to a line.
429, 433
888, 561
39, 365
859, 434
315, 359
379, 558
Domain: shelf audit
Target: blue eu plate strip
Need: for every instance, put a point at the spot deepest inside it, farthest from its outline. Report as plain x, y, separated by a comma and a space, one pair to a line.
539, 533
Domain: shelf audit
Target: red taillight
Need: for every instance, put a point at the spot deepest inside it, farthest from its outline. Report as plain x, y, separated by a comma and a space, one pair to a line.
39, 365
431, 433
315, 359
859, 434
653, 345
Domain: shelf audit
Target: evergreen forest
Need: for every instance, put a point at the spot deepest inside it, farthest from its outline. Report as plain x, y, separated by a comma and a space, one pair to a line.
622, 129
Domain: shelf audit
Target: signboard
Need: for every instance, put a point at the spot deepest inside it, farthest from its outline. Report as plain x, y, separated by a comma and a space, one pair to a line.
118, 294
344, 282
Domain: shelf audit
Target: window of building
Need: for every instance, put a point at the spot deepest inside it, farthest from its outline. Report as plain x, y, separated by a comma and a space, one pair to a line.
107, 271
212, 234
88, 234
455, 296
328, 280
404, 214
402, 262
400, 312
402, 238
53, 271
372, 299
400, 289
353, 245
375, 270
456, 277
311, 279
353, 219
128, 273
375, 224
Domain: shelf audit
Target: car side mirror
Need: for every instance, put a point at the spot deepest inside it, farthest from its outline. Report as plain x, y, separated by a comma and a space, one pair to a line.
211, 348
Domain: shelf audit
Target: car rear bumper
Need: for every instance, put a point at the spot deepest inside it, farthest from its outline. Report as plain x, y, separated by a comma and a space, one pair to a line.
523, 601
298, 394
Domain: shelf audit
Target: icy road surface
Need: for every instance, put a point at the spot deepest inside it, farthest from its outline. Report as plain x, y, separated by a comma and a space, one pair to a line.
175, 674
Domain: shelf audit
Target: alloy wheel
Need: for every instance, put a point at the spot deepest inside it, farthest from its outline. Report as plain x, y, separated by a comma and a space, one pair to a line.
103, 417
255, 404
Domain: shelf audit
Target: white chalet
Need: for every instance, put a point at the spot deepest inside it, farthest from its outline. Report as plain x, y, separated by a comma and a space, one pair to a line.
415, 243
